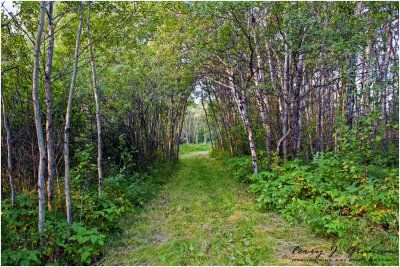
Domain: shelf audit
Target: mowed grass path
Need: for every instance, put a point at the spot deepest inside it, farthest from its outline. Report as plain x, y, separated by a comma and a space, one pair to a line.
203, 217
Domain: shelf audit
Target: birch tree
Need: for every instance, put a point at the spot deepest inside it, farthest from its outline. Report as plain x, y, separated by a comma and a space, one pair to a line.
49, 110
38, 120
96, 98
68, 119
9, 153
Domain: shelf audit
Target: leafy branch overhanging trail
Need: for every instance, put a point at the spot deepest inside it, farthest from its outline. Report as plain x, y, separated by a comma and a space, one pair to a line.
203, 217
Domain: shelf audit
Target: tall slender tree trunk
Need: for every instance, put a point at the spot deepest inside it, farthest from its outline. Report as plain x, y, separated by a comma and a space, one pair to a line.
180, 126
286, 98
96, 98
366, 96
68, 120
383, 77
51, 170
171, 131
225, 124
241, 101
261, 98
301, 107
242, 106
319, 119
188, 129
9, 149
216, 123
197, 130
350, 91
296, 106
276, 83
208, 124
38, 120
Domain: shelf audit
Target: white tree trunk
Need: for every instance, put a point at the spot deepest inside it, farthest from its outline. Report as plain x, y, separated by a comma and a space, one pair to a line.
38, 120
286, 98
261, 97
49, 112
96, 98
9, 159
241, 101
68, 120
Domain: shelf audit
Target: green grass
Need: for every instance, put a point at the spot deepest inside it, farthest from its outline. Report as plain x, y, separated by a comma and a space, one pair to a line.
203, 217
189, 148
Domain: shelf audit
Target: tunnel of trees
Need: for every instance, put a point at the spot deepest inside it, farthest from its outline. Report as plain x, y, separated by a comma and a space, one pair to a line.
97, 98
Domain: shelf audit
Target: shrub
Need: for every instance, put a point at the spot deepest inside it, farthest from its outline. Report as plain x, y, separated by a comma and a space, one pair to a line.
240, 168
95, 218
335, 199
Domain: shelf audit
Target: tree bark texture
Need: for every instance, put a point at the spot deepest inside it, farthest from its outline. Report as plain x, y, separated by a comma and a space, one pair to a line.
49, 111
38, 120
68, 120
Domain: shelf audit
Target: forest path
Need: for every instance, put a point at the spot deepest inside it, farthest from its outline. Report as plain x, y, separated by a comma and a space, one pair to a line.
203, 217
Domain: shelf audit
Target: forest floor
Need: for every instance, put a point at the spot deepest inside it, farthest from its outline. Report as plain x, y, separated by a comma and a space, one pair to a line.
203, 217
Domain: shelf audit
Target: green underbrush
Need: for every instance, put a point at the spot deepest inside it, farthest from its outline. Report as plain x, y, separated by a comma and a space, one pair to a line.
95, 217
202, 216
360, 214
350, 196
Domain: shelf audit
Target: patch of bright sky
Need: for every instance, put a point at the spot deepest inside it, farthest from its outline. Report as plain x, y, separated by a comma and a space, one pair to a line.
9, 5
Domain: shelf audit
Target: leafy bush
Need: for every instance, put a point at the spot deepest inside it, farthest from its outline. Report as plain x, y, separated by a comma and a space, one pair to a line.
240, 168
95, 217
350, 194
19, 242
88, 243
131, 190
335, 199
23, 245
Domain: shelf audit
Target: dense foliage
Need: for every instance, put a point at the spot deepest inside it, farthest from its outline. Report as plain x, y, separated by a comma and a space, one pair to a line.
98, 96
351, 196
95, 217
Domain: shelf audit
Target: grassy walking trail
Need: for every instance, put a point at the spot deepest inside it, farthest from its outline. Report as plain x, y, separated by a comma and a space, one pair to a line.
203, 217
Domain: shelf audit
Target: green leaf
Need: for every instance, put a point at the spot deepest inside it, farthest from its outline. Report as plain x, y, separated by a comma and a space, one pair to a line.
85, 255
93, 238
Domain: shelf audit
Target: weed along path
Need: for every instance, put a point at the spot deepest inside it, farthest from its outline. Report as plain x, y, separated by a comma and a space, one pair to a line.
203, 217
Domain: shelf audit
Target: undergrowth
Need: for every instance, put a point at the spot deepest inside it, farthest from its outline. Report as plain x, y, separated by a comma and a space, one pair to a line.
95, 217
204, 217
351, 195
